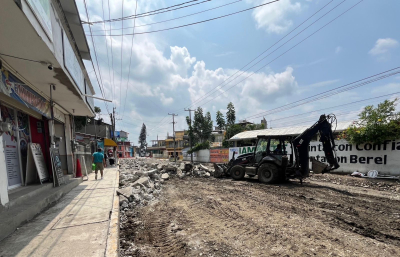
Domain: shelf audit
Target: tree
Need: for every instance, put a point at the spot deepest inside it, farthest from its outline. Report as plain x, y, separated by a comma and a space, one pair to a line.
376, 124
142, 138
220, 120
200, 130
230, 115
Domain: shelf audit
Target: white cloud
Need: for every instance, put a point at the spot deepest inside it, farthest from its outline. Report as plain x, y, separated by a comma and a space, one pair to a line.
274, 18
338, 49
382, 47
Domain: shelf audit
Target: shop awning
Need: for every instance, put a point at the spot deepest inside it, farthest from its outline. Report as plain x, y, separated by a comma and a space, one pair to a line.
109, 142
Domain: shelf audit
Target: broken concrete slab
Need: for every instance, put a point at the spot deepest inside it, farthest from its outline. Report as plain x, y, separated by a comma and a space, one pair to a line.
165, 176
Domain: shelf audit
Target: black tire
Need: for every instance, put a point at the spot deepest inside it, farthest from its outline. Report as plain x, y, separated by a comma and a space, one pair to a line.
268, 173
237, 172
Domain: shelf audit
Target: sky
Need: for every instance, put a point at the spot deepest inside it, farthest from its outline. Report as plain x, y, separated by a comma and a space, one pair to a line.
305, 47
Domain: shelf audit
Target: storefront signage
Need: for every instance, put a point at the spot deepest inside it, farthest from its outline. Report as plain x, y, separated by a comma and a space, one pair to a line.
35, 162
23, 94
240, 150
219, 155
57, 170
42, 8
11, 149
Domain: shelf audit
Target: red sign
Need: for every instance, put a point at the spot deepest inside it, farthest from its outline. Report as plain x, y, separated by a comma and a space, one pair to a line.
219, 155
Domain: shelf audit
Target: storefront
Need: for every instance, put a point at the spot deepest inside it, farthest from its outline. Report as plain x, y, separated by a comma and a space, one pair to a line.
28, 113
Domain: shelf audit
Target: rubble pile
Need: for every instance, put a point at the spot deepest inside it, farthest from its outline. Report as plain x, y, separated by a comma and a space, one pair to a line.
141, 178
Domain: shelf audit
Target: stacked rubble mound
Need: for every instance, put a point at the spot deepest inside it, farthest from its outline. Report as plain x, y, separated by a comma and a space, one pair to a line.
141, 178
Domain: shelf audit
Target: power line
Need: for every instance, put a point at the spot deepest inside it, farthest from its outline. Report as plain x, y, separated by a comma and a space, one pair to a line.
108, 58
341, 105
95, 53
218, 87
122, 45
130, 61
24, 59
330, 92
194, 23
141, 15
177, 18
343, 110
264, 51
112, 55
288, 50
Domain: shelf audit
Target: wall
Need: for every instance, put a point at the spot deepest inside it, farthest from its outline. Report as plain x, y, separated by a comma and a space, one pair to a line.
364, 157
199, 156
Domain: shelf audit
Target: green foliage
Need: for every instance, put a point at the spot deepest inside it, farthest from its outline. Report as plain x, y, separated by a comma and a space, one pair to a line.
80, 122
220, 120
230, 115
376, 124
142, 137
201, 128
200, 146
97, 110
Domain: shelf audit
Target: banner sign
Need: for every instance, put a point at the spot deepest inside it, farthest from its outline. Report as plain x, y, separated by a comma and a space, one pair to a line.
219, 155
11, 149
363, 157
35, 161
57, 170
12, 87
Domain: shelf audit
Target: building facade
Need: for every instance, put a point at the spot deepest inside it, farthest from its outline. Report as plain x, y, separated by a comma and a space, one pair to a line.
43, 84
124, 149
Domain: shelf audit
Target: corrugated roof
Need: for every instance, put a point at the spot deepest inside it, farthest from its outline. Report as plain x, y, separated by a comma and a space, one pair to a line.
285, 131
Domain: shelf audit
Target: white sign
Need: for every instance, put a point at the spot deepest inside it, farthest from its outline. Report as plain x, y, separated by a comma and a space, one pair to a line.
36, 162
42, 8
11, 150
72, 64
363, 157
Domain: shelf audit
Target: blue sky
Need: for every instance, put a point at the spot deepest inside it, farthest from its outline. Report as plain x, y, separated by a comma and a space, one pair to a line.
171, 69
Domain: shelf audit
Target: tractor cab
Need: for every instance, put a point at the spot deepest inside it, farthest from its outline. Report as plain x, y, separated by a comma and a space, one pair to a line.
272, 150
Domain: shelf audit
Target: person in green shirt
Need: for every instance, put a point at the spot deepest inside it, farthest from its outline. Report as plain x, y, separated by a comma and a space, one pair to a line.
99, 161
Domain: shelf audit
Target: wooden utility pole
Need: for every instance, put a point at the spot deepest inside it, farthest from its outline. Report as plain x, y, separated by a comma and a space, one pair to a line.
173, 129
190, 138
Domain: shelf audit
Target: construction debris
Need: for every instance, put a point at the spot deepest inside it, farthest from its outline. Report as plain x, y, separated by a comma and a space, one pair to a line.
141, 178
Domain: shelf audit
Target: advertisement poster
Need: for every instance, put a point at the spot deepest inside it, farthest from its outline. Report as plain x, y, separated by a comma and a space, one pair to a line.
12, 87
11, 150
219, 155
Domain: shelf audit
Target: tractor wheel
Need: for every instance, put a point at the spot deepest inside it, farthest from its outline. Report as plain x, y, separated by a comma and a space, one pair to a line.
268, 173
237, 172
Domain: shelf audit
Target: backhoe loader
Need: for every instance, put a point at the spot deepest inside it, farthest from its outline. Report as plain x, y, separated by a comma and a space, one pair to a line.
279, 158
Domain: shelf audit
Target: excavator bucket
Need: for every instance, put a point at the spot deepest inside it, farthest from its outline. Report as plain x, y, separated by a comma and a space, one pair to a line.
318, 167
220, 170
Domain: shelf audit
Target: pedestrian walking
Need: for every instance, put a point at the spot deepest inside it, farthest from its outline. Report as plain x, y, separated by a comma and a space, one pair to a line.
99, 161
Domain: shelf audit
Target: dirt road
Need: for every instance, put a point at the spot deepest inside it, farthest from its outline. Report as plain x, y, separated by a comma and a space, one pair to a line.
221, 217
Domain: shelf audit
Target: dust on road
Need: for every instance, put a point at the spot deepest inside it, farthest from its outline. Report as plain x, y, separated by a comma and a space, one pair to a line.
221, 217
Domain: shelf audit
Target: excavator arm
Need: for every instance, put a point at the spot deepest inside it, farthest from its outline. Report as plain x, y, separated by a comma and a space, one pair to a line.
302, 142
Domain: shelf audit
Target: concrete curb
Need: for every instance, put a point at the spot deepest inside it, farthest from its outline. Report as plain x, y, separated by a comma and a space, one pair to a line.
112, 249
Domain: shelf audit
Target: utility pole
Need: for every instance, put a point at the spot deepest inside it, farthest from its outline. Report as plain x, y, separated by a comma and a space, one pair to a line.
190, 138
173, 129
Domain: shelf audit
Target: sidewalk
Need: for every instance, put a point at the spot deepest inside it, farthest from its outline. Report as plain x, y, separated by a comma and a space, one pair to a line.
78, 225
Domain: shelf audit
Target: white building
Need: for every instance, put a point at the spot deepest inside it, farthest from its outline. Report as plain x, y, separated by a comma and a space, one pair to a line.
42, 43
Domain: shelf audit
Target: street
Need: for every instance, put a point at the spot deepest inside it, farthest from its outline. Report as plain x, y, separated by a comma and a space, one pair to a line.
222, 217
